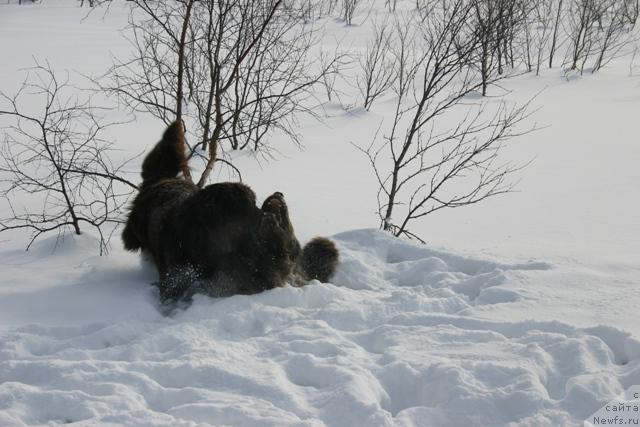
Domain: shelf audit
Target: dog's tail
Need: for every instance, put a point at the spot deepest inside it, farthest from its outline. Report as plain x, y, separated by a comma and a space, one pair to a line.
318, 260
168, 158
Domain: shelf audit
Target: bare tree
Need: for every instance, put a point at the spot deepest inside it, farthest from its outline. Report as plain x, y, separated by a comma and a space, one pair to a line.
377, 66
615, 34
529, 33
152, 81
597, 29
407, 58
634, 54
327, 7
498, 25
583, 20
234, 71
494, 24
421, 165
304, 10
556, 26
349, 10
631, 10
333, 65
57, 159
484, 22
543, 13
510, 22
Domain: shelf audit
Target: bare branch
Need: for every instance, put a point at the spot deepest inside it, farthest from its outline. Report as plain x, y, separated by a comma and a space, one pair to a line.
57, 155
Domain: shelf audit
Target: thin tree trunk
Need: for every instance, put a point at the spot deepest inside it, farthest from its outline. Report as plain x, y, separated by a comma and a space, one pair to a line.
179, 95
554, 40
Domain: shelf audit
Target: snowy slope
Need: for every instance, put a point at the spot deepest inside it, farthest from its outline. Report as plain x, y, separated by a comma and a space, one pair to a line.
519, 311
395, 341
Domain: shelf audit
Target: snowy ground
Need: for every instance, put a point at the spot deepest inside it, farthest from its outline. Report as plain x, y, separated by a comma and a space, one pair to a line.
519, 311
398, 339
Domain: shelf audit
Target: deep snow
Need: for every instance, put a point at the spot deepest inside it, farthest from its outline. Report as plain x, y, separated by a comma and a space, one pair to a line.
396, 340
522, 310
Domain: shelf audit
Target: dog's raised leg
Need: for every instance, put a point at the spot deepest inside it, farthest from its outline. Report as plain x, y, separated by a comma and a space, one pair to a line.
318, 259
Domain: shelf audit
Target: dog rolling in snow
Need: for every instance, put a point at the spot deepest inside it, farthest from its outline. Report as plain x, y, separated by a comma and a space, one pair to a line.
216, 240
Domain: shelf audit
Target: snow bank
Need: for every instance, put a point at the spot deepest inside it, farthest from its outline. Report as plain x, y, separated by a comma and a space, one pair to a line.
395, 341
406, 335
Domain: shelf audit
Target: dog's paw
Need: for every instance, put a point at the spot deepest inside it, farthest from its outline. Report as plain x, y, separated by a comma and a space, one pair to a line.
276, 205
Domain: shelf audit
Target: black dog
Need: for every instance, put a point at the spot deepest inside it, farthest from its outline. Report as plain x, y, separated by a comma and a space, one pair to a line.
216, 240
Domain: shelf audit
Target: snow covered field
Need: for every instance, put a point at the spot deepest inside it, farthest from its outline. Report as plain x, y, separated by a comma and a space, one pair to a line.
519, 311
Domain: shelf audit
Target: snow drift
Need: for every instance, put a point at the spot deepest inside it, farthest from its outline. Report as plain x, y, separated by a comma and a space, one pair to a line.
393, 342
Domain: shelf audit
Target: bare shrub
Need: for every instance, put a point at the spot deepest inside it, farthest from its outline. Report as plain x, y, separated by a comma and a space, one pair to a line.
496, 25
57, 159
583, 19
377, 69
543, 15
349, 8
422, 166
597, 30
615, 33
234, 71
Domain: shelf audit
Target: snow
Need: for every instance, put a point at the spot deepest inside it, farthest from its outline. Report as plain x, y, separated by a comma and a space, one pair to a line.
396, 340
520, 311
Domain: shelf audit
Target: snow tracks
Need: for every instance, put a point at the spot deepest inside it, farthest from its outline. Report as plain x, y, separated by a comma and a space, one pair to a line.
395, 341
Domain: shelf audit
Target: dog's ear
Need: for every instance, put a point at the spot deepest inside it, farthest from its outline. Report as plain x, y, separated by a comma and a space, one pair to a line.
168, 158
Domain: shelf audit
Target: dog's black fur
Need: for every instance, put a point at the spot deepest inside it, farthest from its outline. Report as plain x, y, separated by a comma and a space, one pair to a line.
216, 240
